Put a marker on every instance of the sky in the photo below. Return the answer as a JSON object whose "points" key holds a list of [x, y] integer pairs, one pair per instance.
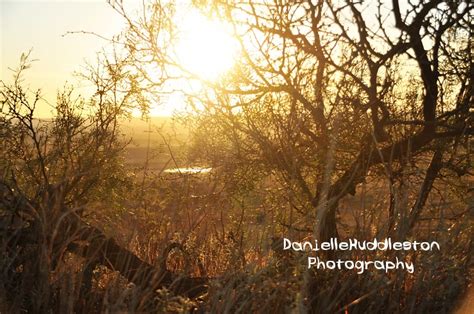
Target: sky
{"points": [[40, 25]]}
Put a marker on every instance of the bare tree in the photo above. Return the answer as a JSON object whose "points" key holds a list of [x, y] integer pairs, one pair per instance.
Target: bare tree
{"points": [[325, 91]]}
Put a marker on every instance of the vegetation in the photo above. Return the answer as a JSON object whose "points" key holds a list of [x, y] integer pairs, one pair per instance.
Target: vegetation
{"points": [[338, 119]]}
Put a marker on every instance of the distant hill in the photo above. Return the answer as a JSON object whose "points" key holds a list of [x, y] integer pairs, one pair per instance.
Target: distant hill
{"points": [[146, 141], [138, 129]]}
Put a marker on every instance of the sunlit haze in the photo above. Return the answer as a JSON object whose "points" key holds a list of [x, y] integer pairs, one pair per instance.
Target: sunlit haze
{"points": [[40, 26], [204, 47]]}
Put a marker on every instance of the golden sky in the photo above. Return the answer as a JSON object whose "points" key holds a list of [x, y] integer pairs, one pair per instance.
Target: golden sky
{"points": [[204, 46], [39, 25]]}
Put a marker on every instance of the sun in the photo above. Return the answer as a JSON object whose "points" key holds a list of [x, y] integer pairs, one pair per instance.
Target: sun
{"points": [[204, 47]]}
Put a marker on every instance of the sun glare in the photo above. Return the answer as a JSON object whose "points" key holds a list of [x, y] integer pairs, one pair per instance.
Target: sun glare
{"points": [[205, 47]]}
